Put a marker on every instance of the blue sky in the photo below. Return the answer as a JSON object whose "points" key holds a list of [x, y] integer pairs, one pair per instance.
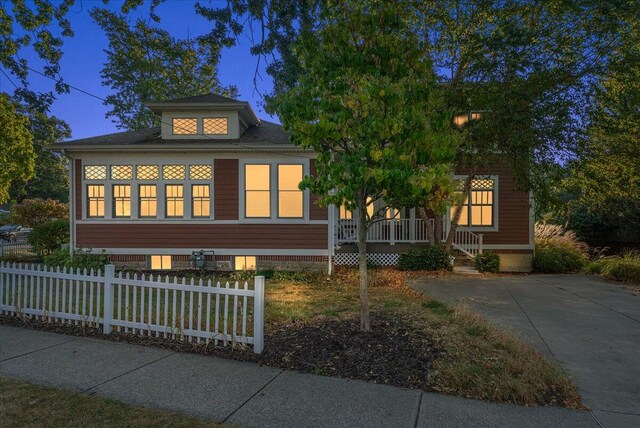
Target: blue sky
{"points": [[84, 57]]}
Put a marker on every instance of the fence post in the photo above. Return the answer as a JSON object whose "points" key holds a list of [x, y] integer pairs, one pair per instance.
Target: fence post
{"points": [[109, 274], [258, 315]]}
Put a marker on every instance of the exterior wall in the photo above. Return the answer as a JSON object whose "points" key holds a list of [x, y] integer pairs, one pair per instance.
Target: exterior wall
{"points": [[225, 192]]}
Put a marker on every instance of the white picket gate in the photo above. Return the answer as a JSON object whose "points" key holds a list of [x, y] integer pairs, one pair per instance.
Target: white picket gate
{"points": [[137, 304]]}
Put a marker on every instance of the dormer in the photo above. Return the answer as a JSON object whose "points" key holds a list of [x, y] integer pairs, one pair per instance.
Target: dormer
{"points": [[204, 116]]}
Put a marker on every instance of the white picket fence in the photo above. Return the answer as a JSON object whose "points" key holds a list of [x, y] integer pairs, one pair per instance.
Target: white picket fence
{"points": [[137, 304]]}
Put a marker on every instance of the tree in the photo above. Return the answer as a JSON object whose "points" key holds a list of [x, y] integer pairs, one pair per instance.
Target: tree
{"points": [[33, 212], [16, 146], [362, 104], [146, 63]]}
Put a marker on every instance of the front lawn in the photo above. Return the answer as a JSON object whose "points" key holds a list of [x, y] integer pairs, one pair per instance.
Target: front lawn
{"points": [[23, 404], [312, 325]]}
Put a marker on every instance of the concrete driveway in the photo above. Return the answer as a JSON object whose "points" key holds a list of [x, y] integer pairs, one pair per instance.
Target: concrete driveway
{"points": [[589, 326]]}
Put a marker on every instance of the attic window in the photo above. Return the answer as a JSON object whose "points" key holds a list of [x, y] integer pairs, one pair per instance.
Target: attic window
{"points": [[215, 125], [185, 126]]}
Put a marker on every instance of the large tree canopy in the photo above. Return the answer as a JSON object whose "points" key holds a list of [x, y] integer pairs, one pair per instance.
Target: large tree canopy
{"points": [[364, 102], [16, 146], [145, 63]]}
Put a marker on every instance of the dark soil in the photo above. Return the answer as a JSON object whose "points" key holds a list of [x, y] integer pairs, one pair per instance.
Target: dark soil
{"points": [[394, 351]]}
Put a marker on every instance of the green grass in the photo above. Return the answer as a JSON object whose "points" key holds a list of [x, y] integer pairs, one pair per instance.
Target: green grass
{"points": [[23, 404]]}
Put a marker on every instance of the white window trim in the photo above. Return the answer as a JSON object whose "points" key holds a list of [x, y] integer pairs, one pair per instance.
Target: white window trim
{"points": [[160, 193], [273, 191], [496, 204]]}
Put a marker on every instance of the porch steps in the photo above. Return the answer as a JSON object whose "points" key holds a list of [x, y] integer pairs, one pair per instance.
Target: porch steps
{"points": [[465, 270]]}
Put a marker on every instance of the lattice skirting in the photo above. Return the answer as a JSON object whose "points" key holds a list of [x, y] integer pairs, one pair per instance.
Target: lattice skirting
{"points": [[381, 259]]}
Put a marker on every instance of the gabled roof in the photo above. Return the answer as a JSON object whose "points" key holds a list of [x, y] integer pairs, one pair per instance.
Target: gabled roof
{"points": [[265, 136]]}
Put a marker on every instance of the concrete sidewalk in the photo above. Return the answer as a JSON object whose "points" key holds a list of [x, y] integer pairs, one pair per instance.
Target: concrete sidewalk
{"points": [[246, 394]]}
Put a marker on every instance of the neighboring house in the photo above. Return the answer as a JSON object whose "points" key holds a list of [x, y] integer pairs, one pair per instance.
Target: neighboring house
{"points": [[214, 177]]}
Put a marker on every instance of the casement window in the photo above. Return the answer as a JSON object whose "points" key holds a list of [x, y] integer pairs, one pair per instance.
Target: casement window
{"points": [[95, 200], [174, 200], [215, 125], [184, 126], [257, 191], [244, 263], [290, 197], [148, 200], [160, 262], [200, 200], [478, 209], [121, 200]]}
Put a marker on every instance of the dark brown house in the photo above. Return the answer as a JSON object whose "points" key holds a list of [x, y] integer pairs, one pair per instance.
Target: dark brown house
{"points": [[214, 177]]}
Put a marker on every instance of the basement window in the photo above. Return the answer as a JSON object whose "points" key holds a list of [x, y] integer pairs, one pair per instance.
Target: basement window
{"points": [[245, 263], [160, 262]]}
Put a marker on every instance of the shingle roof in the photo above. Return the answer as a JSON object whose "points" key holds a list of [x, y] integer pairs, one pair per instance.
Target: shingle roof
{"points": [[265, 134], [206, 98]]}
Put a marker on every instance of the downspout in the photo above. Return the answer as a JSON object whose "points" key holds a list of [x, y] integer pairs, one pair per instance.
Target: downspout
{"points": [[72, 204]]}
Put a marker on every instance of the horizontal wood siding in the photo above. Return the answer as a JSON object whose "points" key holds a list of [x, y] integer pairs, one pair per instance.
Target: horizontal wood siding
{"points": [[316, 212], [196, 236], [78, 189], [225, 194], [513, 209]]}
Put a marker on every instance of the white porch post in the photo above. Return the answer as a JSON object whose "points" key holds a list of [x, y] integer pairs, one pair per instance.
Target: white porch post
{"points": [[331, 237], [412, 225]]}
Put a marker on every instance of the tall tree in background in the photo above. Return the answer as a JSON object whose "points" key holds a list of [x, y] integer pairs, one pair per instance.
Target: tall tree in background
{"points": [[362, 104], [145, 63], [16, 146], [606, 178]]}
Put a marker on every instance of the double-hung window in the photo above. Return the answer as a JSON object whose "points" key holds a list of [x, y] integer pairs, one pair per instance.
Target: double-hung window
{"points": [[290, 197], [200, 200], [148, 200], [121, 200], [478, 209], [95, 200], [174, 200], [257, 191]]}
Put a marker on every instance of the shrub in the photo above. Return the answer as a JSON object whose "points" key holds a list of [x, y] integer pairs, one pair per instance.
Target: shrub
{"points": [[558, 250], [488, 262], [47, 237], [431, 258], [625, 267], [33, 212], [80, 259]]}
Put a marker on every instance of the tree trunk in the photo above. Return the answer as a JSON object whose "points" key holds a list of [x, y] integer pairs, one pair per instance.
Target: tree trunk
{"points": [[362, 259], [431, 237], [439, 224], [456, 216]]}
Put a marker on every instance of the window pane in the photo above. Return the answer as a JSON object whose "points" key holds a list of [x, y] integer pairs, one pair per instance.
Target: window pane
{"points": [[215, 125], [256, 177], [257, 204], [290, 204], [476, 215], [345, 213], [185, 126], [121, 172], [289, 177], [122, 200], [173, 172], [487, 215], [174, 201], [95, 172], [201, 201], [147, 172]]}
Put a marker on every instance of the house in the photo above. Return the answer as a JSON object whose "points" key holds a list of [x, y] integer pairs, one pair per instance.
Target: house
{"points": [[214, 177]]}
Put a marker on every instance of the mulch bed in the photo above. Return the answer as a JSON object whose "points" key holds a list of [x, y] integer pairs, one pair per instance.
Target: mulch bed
{"points": [[394, 352]]}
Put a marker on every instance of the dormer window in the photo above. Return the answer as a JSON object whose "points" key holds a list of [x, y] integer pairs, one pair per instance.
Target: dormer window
{"points": [[215, 125], [185, 126]]}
